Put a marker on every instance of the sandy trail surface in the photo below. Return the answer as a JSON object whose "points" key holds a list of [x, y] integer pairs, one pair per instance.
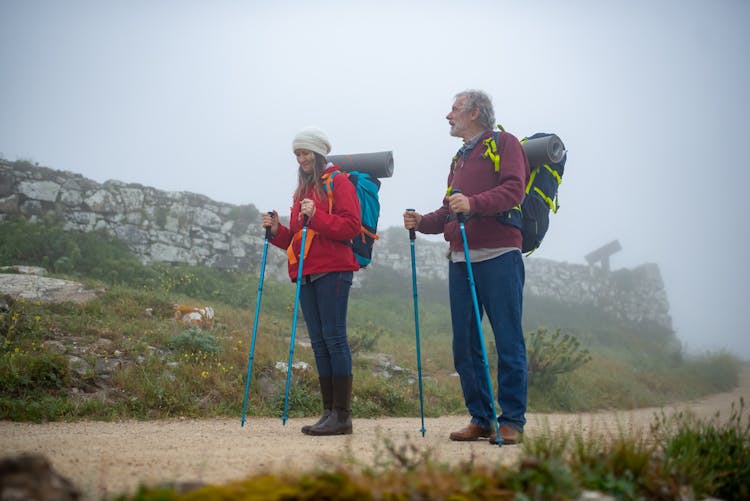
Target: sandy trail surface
{"points": [[109, 458]]}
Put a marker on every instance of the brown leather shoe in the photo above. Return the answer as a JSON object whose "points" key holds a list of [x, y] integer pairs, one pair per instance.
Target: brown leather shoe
{"points": [[470, 433], [510, 436]]}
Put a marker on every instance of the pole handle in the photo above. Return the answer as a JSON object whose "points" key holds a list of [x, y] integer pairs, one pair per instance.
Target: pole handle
{"points": [[268, 228], [412, 233], [459, 215]]}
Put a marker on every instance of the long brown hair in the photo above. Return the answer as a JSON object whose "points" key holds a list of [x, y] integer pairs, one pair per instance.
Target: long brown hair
{"points": [[305, 180]]}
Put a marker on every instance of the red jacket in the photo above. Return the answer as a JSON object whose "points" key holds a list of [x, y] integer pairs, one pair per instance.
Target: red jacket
{"points": [[329, 248], [489, 193]]}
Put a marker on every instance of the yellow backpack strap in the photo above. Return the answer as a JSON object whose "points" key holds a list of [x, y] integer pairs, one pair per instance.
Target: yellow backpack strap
{"points": [[491, 151], [491, 148], [532, 176], [554, 174], [454, 162], [553, 204]]}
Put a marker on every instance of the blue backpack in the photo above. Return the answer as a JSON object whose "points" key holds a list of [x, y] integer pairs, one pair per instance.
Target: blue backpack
{"points": [[532, 215], [367, 188]]}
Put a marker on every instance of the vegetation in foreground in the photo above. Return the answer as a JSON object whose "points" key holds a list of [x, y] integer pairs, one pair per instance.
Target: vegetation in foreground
{"points": [[123, 355], [686, 458]]}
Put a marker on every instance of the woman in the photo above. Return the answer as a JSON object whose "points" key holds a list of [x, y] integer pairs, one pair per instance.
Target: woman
{"points": [[328, 267]]}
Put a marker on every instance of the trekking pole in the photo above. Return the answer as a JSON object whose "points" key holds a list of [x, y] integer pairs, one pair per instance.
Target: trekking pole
{"points": [[412, 237], [255, 321], [472, 286], [294, 321]]}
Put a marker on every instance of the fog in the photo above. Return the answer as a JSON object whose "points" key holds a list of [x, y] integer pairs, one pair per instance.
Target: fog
{"points": [[650, 98]]}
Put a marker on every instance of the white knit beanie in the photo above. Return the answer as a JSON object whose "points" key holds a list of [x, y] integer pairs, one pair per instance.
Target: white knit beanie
{"points": [[312, 139]]}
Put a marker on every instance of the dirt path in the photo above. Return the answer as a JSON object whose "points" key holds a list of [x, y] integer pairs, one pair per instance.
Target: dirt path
{"points": [[113, 458]]}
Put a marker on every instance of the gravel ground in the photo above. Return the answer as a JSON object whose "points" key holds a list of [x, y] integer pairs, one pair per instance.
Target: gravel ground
{"points": [[108, 458]]}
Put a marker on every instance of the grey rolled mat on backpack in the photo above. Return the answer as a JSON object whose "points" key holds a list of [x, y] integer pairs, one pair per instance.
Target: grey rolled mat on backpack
{"points": [[378, 164], [544, 150]]}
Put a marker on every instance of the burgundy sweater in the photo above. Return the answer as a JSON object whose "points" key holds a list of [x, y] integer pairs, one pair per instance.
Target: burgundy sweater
{"points": [[489, 193]]}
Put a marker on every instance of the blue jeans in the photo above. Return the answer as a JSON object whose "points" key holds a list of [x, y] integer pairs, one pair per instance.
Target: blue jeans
{"points": [[499, 285], [324, 303]]}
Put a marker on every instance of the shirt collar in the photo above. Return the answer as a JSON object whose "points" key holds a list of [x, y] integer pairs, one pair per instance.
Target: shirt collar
{"points": [[469, 145]]}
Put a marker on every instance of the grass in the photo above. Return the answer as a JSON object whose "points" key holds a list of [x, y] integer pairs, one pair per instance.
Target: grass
{"points": [[161, 369]]}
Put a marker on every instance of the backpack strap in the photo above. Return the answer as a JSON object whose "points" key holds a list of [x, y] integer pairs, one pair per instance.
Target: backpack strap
{"points": [[328, 187], [296, 238], [553, 204], [491, 147], [491, 152]]}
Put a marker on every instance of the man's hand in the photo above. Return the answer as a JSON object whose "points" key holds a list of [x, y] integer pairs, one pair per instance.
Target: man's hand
{"points": [[412, 219], [458, 203]]}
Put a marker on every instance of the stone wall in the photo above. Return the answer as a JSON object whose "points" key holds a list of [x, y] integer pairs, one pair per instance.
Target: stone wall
{"points": [[189, 228], [632, 294]]}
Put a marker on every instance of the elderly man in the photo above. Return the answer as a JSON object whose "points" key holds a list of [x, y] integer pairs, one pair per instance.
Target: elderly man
{"points": [[484, 190]]}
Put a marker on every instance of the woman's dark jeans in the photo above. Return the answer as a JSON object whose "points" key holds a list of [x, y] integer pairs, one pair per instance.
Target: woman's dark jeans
{"points": [[324, 304]]}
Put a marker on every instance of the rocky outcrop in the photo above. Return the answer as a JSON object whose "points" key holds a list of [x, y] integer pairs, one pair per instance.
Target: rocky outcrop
{"points": [[190, 228], [28, 283], [159, 226]]}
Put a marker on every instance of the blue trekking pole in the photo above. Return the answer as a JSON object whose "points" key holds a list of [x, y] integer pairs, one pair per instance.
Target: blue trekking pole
{"points": [[255, 322], [412, 237], [294, 321], [472, 286]]}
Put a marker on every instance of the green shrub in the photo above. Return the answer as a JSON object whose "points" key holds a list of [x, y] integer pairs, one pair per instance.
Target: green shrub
{"points": [[22, 372], [550, 355], [36, 407], [363, 339], [19, 324], [194, 341]]}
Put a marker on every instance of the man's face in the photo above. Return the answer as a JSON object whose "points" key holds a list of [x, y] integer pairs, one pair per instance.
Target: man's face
{"points": [[460, 120]]}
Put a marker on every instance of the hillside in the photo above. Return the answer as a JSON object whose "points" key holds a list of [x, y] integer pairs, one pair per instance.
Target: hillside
{"points": [[188, 228]]}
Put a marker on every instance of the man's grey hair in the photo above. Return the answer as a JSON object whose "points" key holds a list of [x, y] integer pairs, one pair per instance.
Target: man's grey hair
{"points": [[480, 100]]}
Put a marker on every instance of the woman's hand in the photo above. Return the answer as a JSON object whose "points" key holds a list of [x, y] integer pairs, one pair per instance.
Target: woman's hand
{"points": [[307, 208], [271, 220]]}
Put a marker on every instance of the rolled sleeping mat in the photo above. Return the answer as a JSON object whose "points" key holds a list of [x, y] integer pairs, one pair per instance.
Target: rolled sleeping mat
{"points": [[378, 164], [544, 150]]}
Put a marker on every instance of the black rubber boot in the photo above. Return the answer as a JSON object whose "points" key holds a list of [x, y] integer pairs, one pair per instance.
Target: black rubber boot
{"points": [[326, 392], [339, 422]]}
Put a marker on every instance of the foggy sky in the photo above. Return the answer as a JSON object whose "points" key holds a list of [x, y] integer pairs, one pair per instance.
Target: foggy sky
{"points": [[650, 99]]}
